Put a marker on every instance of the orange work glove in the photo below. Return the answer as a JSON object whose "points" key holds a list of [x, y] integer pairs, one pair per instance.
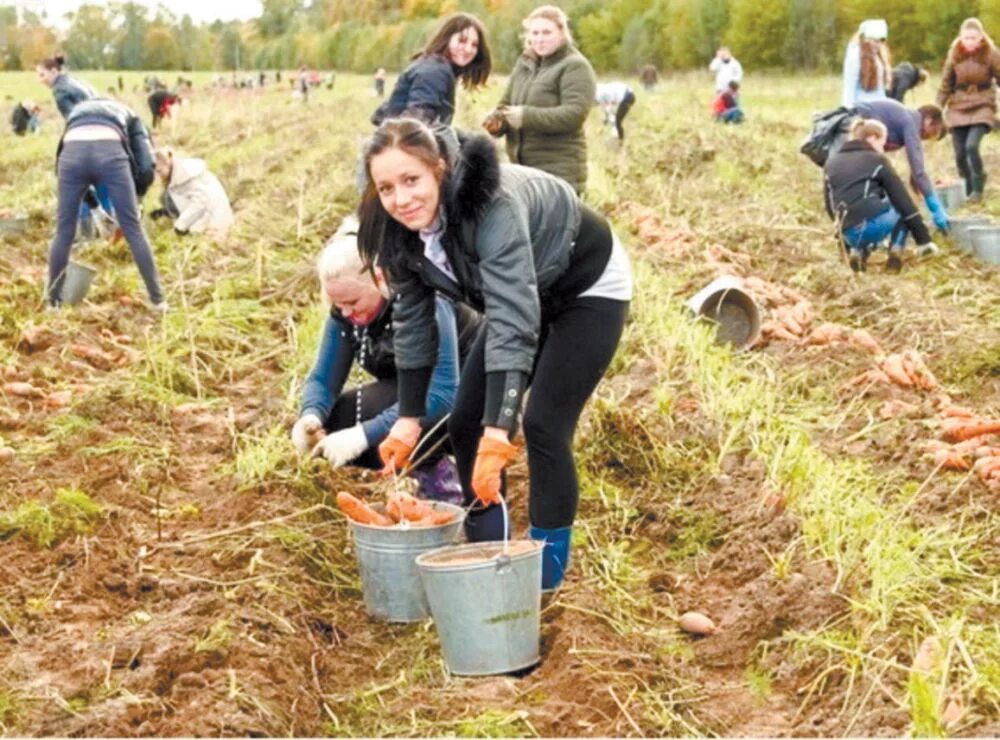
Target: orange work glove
{"points": [[395, 453], [492, 456]]}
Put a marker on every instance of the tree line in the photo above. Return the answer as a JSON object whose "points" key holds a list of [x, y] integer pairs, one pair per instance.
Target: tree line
{"points": [[362, 35]]}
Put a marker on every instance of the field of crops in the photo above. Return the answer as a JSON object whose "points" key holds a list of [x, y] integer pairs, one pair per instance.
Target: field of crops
{"points": [[168, 567]]}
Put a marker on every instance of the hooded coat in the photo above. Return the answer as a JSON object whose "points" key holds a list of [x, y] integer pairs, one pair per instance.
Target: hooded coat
{"points": [[968, 93], [556, 94], [199, 197]]}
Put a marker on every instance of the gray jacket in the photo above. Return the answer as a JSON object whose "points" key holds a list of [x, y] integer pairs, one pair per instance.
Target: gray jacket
{"points": [[68, 91], [509, 233]]}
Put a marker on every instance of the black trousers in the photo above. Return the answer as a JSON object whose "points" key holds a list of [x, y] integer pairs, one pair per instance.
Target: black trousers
{"points": [[623, 108], [574, 351], [966, 140]]}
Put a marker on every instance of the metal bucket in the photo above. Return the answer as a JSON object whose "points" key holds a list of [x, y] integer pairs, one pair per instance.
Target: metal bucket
{"points": [[986, 243], [76, 282], [389, 577], [952, 196], [726, 302], [16, 224], [486, 604], [960, 226]]}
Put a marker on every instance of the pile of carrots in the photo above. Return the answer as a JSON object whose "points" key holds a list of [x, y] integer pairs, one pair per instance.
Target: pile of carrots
{"points": [[906, 369], [967, 443], [400, 508]]}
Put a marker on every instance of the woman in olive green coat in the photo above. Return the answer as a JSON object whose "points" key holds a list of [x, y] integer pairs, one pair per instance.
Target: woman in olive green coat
{"points": [[550, 93]]}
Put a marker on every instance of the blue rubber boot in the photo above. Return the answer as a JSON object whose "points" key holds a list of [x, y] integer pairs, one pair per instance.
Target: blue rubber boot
{"points": [[555, 556], [484, 525]]}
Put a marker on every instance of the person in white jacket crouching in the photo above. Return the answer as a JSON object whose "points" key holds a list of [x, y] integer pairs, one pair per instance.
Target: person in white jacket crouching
{"points": [[192, 196]]}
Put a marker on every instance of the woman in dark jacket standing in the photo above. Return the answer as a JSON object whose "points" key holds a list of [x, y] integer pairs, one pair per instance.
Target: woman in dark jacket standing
{"points": [[869, 201], [555, 287], [66, 91], [548, 97], [426, 89], [105, 144], [968, 96]]}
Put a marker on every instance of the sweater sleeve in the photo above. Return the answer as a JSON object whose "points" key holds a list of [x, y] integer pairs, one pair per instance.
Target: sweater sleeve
{"points": [[577, 89], [429, 97], [329, 373], [852, 72], [900, 198], [415, 342], [915, 156]]}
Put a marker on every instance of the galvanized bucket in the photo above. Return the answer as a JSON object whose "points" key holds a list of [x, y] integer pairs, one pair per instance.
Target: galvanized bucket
{"points": [[952, 196], [986, 243], [486, 599], [76, 282], [726, 302], [960, 226], [389, 577]]}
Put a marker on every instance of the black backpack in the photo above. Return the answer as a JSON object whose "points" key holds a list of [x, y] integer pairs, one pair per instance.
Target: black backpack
{"points": [[19, 120], [828, 127]]}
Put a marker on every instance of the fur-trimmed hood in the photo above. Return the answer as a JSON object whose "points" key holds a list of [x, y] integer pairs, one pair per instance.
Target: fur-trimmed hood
{"points": [[981, 53], [474, 174]]}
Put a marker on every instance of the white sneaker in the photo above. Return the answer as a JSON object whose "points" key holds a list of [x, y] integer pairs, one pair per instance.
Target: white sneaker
{"points": [[161, 307], [929, 249]]}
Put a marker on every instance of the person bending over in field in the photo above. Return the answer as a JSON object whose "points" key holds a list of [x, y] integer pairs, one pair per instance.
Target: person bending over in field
{"points": [[906, 77], [616, 100], [105, 145], [908, 129], [348, 426], [192, 196], [869, 202], [426, 89], [555, 285], [160, 102], [25, 118]]}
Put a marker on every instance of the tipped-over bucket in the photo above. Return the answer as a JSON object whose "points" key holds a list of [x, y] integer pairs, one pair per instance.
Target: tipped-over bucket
{"points": [[389, 576], [726, 302], [486, 599], [76, 282], [960, 226], [986, 243], [953, 195]]}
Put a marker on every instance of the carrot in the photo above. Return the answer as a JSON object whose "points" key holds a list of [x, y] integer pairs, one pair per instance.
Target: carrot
{"points": [[777, 330], [413, 508], [359, 511], [697, 623], [893, 367], [861, 338], [826, 334], [437, 518], [951, 460], [959, 430], [957, 412], [869, 377], [986, 466], [22, 389]]}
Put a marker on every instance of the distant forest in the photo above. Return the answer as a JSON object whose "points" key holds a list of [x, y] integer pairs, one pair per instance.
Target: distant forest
{"points": [[361, 35]]}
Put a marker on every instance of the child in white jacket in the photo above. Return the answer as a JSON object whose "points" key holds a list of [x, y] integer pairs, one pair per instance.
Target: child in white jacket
{"points": [[192, 195]]}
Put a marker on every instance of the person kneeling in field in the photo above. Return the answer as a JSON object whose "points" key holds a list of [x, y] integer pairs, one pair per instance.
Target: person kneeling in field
{"points": [[726, 107], [869, 201], [348, 426], [192, 196]]}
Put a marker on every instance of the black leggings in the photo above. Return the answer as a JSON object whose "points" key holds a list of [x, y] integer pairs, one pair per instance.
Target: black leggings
{"points": [[575, 349], [966, 140], [623, 108]]}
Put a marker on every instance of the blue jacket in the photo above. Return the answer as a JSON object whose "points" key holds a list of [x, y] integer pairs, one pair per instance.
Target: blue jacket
{"points": [[903, 125], [425, 90], [337, 351], [69, 91]]}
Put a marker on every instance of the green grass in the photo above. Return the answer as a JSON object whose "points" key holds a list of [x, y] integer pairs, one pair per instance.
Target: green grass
{"points": [[71, 512]]}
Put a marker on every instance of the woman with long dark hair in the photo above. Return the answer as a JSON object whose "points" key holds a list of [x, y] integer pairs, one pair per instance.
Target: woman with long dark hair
{"points": [[426, 89], [867, 64], [968, 96], [554, 284]]}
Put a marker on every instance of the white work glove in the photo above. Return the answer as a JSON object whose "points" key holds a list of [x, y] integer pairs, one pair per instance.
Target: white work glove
{"points": [[514, 115], [341, 447], [305, 432]]}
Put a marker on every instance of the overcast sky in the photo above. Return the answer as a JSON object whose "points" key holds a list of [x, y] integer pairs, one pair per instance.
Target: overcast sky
{"points": [[199, 10]]}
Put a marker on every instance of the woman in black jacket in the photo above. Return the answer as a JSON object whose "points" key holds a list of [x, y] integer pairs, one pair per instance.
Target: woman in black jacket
{"points": [[105, 145], [869, 201], [426, 89], [555, 287]]}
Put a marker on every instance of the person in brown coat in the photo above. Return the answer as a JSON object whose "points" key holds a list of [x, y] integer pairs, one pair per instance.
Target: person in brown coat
{"points": [[968, 95]]}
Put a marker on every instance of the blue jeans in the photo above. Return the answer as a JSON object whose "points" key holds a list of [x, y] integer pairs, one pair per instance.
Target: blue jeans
{"points": [[731, 115], [84, 164], [870, 232]]}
